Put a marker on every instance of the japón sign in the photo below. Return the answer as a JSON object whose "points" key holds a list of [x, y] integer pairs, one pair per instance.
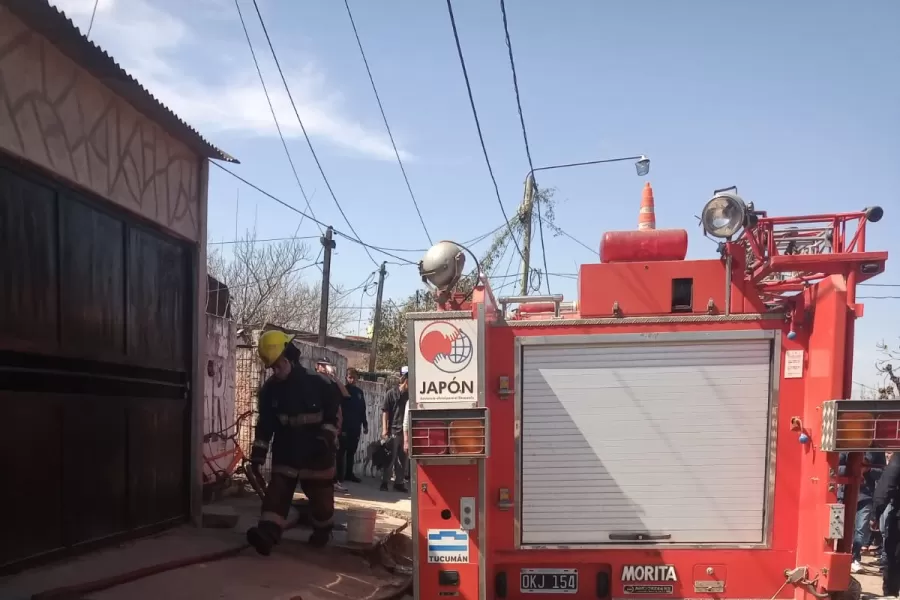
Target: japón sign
{"points": [[446, 361]]}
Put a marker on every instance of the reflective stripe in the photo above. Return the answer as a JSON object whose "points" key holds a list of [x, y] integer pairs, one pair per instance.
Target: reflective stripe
{"points": [[273, 517], [261, 444], [304, 473], [330, 428], [301, 419]]}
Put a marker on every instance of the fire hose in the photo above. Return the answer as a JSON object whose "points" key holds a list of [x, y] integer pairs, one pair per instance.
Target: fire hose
{"points": [[77, 591]]}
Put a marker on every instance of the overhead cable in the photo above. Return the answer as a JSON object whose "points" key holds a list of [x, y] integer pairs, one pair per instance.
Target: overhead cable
{"points": [[272, 110], [386, 125], [348, 237], [515, 78], [487, 160], [305, 134]]}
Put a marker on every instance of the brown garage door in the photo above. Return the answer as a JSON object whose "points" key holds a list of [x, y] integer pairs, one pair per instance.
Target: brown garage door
{"points": [[95, 353]]}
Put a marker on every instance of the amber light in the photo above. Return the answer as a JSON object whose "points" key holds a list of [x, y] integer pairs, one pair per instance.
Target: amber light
{"points": [[855, 430], [429, 438], [467, 436]]}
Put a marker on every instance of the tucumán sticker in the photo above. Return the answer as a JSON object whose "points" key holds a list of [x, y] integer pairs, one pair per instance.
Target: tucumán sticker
{"points": [[448, 546]]}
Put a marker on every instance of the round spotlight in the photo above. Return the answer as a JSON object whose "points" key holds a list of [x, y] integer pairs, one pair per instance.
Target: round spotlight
{"points": [[724, 215], [642, 166], [442, 265], [874, 213]]}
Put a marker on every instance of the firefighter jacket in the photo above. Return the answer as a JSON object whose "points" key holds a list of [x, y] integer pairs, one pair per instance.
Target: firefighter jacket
{"points": [[300, 417]]}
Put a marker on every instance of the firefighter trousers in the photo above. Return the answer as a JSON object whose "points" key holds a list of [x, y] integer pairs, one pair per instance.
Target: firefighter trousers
{"points": [[277, 504]]}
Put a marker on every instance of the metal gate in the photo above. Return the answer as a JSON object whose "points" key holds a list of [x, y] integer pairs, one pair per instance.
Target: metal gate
{"points": [[95, 364]]}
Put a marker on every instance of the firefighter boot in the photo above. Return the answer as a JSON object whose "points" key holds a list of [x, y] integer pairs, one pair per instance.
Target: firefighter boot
{"points": [[263, 537], [320, 537]]}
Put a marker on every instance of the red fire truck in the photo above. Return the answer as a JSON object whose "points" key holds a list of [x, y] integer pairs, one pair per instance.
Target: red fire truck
{"points": [[672, 433]]}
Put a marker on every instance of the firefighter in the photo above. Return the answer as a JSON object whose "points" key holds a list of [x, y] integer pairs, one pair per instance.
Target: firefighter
{"points": [[301, 411]]}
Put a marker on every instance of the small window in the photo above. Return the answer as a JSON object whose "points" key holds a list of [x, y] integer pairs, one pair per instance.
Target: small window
{"points": [[682, 295]]}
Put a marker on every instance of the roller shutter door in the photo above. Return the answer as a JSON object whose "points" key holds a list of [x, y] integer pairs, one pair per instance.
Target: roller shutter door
{"points": [[628, 443]]}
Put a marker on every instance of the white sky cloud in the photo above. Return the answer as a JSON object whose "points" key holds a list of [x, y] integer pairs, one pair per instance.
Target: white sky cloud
{"points": [[145, 40]]}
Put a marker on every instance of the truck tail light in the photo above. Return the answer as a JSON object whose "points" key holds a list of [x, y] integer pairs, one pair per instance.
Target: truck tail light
{"points": [[855, 429], [467, 436], [448, 433], [429, 438], [860, 425]]}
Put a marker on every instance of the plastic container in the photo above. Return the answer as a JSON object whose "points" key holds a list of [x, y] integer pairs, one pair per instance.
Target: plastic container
{"points": [[361, 526]]}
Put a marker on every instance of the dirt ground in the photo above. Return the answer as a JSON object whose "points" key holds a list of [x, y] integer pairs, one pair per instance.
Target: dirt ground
{"points": [[292, 572]]}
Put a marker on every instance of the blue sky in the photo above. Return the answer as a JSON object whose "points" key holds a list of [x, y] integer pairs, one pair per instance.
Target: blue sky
{"points": [[796, 103]]}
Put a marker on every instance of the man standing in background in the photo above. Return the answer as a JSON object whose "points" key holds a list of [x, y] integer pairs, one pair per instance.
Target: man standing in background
{"points": [[392, 413], [355, 422], [325, 367]]}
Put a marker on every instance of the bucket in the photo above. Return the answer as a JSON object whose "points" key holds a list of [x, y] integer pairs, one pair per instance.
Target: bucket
{"points": [[361, 526]]}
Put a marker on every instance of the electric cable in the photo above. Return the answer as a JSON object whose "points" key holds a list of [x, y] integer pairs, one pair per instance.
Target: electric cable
{"points": [[559, 230], [272, 110], [515, 78], [386, 125], [305, 134], [348, 237], [487, 160], [265, 240], [93, 14]]}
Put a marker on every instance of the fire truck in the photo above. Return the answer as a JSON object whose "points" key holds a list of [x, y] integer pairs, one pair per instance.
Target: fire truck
{"points": [[673, 432]]}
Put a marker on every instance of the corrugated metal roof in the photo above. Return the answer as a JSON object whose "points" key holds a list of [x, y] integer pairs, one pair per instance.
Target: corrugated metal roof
{"points": [[53, 24]]}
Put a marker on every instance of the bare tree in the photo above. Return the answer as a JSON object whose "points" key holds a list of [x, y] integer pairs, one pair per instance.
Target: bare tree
{"points": [[276, 283], [887, 367]]}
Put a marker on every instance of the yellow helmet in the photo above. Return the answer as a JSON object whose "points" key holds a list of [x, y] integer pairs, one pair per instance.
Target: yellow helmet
{"points": [[272, 345]]}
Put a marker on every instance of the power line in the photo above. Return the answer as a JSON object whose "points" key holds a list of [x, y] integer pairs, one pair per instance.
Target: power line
{"points": [[487, 160], [890, 285], [355, 240], [93, 14], [272, 110], [266, 240], [512, 66], [386, 126], [305, 134], [878, 297]]}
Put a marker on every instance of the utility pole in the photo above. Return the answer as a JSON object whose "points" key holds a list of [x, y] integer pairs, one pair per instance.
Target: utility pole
{"points": [[525, 217], [376, 324], [328, 244]]}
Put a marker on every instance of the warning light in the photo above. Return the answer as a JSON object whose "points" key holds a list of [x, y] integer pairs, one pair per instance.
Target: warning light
{"points": [[855, 430], [429, 438], [467, 437]]}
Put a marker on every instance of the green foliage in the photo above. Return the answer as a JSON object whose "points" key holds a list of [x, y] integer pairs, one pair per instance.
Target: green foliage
{"points": [[392, 347]]}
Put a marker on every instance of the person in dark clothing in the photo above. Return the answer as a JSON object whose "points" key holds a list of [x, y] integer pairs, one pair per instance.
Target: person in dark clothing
{"points": [[872, 466], [300, 414], [353, 411], [392, 412], [888, 492], [325, 368]]}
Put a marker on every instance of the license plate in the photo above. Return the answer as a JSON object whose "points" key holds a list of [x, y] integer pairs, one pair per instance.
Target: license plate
{"points": [[548, 581]]}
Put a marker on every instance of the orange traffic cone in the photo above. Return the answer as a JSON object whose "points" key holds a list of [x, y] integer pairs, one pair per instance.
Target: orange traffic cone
{"points": [[647, 216]]}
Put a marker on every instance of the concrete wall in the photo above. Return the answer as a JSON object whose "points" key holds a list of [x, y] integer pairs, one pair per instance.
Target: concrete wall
{"points": [[58, 117], [218, 393]]}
